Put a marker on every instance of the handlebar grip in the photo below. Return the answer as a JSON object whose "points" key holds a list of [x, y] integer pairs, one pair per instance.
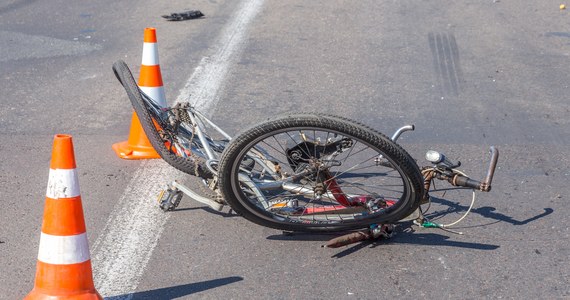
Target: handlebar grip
{"points": [[486, 185], [466, 182]]}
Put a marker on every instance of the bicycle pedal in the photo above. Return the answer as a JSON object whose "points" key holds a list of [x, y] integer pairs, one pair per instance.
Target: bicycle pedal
{"points": [[169, 199]]}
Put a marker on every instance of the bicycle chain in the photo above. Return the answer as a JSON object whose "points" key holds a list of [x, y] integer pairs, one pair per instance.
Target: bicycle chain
{"points": [[212, 191], [180, 111]]}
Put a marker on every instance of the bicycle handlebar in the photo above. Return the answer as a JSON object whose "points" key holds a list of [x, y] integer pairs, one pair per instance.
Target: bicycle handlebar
{"points": [[492, 165], [485, 186]]}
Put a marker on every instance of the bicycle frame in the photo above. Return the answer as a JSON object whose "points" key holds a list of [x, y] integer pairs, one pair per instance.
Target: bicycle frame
{"points": [[198, 138], [197, 119]]}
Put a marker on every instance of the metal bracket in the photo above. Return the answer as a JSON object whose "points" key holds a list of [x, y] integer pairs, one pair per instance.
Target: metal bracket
{"points": [[193, 195]]}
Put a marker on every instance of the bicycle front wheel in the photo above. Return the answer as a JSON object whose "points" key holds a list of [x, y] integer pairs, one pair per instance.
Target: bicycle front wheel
{"points": [[311, 172]]}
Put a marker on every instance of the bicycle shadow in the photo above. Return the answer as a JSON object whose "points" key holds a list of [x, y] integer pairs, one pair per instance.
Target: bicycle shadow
{"points": [[401, 237], [485, 211], [226, 214], [178, 291], [423, 239], [305, 236]]}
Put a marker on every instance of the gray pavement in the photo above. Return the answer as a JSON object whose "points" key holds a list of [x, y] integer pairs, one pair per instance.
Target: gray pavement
{"points": [[468, 74]]}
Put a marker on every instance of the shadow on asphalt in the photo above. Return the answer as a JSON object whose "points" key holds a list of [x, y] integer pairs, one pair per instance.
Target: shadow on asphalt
{"points": [[304, 236], [178, 291], [229, 214], [485, 211], [424, 239], [488, 212], [415, 238]]}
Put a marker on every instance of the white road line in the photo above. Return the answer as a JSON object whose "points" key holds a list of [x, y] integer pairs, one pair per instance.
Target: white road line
{"points": [[125, 246], [208, 77]]}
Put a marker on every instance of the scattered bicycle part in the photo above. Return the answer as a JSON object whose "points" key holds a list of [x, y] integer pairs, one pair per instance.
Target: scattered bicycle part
{"points": [[187, 15], [385, 231]]}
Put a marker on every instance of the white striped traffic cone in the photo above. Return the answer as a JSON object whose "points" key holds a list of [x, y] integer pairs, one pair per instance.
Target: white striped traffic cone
{"points": [[64, 263], [150, 78], [150, 82]]}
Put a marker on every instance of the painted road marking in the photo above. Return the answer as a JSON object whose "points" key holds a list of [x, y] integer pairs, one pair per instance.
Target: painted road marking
{"points": [[125, 246], [209, 76]]}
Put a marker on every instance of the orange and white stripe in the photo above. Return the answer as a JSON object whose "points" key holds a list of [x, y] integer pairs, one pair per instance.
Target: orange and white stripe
{"points": [[150, 78], [64, 262]]}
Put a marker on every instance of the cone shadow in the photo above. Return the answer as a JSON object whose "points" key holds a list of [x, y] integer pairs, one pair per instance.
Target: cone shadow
{"points": [[178, 291]]}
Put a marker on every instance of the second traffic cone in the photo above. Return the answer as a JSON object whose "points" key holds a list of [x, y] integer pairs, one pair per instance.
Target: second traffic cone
{"points": [[64, 263], [150, 82], [137, 146]]}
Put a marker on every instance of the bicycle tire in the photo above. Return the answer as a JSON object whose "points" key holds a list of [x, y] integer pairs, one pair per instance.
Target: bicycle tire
{"points": [[235, 181], [192, 166]]}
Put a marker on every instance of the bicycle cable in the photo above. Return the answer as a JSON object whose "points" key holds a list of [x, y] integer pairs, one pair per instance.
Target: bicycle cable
{"points": [[426, 223]]}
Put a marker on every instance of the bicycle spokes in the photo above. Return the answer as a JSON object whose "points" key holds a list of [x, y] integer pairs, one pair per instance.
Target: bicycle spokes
{"points": [[319, 174]]}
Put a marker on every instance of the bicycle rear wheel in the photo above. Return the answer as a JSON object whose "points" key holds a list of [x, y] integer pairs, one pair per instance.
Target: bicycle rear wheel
{"points": [[311, 172], [149, 121]]}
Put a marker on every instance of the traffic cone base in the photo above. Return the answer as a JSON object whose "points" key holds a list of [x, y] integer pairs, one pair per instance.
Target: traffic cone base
{"points": [[85, 295], [137, 146], [71, 282]]}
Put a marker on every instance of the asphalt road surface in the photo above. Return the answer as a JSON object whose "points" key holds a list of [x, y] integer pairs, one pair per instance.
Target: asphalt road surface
{"points": [[468, 74]]}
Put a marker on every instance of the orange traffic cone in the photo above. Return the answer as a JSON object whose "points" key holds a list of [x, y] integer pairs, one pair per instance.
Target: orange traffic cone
{"points": [[150, 82], [64, 263]]}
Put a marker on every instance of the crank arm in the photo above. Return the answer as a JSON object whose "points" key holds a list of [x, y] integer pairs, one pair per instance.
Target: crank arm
{"points": [[188, 192]]}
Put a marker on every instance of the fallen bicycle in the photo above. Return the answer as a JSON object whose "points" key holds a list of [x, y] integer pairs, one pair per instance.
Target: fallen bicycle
{"points": [[303, 172]]}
